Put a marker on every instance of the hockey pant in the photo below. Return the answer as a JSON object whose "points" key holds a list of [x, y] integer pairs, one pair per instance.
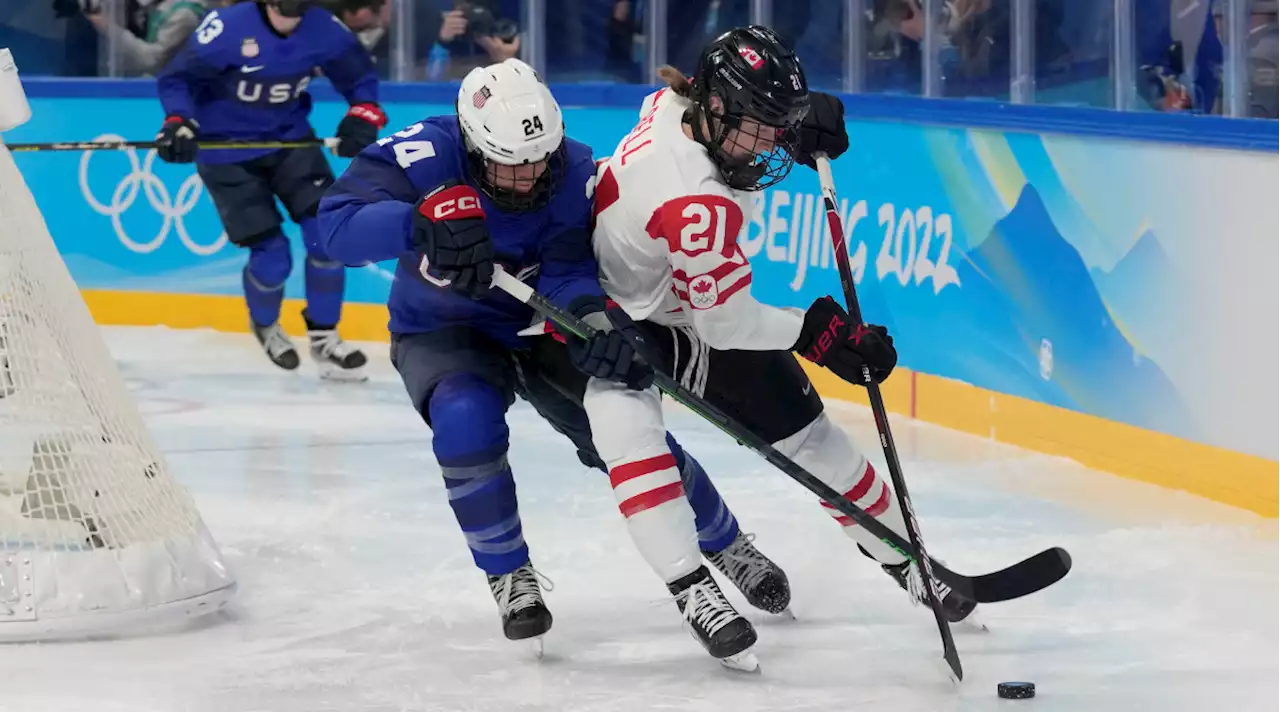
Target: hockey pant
{"points": [[462, 383], [245, 195], [766, 391]]}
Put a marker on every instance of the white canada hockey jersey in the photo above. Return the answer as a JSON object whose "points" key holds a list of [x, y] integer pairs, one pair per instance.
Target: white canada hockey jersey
{"points": [[666, 237]]}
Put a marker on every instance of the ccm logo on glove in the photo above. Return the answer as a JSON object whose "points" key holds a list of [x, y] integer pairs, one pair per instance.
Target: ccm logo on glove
{"points": [[458, 202]]}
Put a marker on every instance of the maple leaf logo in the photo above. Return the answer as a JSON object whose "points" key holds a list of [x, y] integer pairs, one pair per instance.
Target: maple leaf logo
{"points": [[703, 292], [753, 57]]}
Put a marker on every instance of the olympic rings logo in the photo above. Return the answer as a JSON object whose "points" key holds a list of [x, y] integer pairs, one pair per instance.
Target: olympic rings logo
{"points": [[157, 193]]}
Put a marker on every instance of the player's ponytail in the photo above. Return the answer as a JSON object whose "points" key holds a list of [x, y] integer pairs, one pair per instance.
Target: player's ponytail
{"points": [[675, 79]]}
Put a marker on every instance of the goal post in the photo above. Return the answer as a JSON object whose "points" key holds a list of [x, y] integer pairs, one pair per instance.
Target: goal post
{"points": [[96, 536]]}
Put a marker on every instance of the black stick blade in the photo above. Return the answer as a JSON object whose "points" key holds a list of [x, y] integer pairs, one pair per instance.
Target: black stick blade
{"points": [[1021, 579]]}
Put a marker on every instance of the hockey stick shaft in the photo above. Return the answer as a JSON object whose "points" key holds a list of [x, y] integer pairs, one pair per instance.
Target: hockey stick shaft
{"points": [[838, 243], [147, 145], [1020, 579], [523, 292]]}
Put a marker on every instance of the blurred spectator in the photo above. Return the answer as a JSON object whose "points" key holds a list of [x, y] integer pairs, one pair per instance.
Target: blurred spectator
{"points": [[690, 25], [1262, 48], [895, 37], [47, 37], [1169, 33], [472, 34], [979, 34], [154, 30], [820, 44], [449, 38], [1264, 58], [368, 19], [623, 28], [982, 33], [693, 23]]}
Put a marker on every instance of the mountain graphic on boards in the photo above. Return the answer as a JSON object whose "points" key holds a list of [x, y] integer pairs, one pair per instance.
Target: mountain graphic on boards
{"points": [[1052, 296]]}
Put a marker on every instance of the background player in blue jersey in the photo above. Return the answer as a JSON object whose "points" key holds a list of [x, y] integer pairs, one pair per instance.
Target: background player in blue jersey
{"points": [[243, 76], [448, 197]]}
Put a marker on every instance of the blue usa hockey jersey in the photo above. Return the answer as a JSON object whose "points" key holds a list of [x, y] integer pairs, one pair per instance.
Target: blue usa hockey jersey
{"points": [[241, 80], [367, 216]]}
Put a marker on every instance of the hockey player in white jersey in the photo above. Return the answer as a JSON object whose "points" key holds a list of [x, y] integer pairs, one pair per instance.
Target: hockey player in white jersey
{"points": [[671, 203]]}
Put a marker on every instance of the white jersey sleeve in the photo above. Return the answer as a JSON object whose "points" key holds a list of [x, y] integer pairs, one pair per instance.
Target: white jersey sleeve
{"points": [[666, 238]]}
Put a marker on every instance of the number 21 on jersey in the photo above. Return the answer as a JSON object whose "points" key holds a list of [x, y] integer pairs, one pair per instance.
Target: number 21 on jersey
{"points": [[699, 223]]}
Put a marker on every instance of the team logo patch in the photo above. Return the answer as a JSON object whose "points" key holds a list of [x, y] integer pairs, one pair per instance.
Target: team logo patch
{"points": [[753, 57], [703, 292], [249, 47], [479, 98]]}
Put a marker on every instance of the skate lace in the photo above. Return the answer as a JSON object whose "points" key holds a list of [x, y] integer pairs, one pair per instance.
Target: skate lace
{"points": [[742, 562], [275, 341], [520, 588], [328, 343], [705, 607]]}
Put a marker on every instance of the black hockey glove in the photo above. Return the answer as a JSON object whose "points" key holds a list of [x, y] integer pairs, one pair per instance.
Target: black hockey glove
{"points": [[821, 130], [359, 128], [610, 353], [176, 142], [831, 340], [449, 231]]}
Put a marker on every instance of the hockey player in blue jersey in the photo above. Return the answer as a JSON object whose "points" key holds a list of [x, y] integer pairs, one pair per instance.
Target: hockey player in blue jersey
{"points": [[243, 76], [448, 197]]}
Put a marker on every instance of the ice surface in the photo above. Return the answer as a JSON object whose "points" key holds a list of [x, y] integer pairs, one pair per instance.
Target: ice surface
{"points": [[357, 592]]}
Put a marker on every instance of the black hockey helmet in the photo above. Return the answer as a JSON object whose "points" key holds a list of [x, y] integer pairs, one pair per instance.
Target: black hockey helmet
{"points": [[762, 98]]}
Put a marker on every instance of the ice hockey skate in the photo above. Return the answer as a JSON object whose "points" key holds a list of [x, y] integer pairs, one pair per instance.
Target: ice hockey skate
{"points": [[336, 359], [277, 345], [954, 606], [761, 581], [519, 597], [713, 621]]}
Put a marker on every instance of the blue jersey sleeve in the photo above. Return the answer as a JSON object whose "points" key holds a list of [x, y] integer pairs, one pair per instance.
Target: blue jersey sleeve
{"points": [[569, 272], [350, 67], [199, 60], [367, 215]]}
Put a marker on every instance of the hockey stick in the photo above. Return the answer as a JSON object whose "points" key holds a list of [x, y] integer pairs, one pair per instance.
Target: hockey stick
{"points": [[1020, 579], [949, 652], [145, 145]]}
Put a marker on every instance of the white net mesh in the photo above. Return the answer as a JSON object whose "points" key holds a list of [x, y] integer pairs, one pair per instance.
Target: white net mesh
{"points": [[95, 534]]}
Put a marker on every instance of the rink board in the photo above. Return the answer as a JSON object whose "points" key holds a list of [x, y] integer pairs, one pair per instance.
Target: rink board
{"points": [[1107, 300]]}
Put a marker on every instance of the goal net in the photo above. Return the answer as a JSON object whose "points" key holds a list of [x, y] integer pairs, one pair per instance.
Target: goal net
{"points": [[96, 537]]}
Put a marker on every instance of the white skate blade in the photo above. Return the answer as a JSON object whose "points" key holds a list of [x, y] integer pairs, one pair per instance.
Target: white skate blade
{"points": [[334, 372], [786, 614], [745, 661], [537, 646]]}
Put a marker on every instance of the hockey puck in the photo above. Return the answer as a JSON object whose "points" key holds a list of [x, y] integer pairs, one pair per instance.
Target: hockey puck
{"points": [[1016, 690]]}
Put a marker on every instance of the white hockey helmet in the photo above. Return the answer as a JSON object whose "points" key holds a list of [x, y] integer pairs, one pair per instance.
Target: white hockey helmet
{"points": [[514, 134]]}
